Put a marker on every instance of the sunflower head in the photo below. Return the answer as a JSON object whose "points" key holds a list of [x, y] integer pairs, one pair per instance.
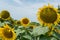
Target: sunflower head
{"points": [[18, 22], [32, 26], [7, 33], [5, 14], [48, 15], [25, 21]]}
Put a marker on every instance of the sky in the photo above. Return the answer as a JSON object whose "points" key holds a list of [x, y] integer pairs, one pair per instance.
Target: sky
{"points": [[25, 8]]}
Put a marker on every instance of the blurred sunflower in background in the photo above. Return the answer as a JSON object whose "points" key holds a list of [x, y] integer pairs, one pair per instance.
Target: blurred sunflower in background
{"points": [[7, 33], [48, 15], [25, 22], [32, 26], [5, 15], [18, 22]]}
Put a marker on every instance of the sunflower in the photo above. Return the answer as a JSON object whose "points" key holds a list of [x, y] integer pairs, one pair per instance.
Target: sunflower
{"points": [[18, 22], [25, 21], [7, 33], [5, 14], [32, 26], [48, 15]]}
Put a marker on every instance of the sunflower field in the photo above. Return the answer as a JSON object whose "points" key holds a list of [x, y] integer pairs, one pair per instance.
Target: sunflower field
{"points": [[48, 27]]}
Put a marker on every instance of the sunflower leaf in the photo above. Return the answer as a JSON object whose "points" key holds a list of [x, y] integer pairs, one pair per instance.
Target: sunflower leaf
{"points": [[53, 38], [19, 31], [1, 24], [27, 37], [57, 35], [39, 31]]}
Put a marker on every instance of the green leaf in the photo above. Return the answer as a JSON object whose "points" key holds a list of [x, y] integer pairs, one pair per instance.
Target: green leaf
{"points": [[20, 26], [27, 37], [45, 37], [7, 22], [57, 35], [53, 38], [19, 31], [1, 24], [48, 38], [40, 30]]}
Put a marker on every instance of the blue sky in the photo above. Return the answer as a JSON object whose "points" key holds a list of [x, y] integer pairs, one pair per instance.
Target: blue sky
{"points": [[25, 8]]}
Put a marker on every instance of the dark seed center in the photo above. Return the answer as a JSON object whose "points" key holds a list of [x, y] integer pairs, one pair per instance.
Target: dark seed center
{"points": [[5, 14], [48, 15], [7, 33], [25, 21]]}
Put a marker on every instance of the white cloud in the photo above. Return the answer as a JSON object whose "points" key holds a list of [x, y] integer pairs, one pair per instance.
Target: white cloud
{"points": [[18, 1]]}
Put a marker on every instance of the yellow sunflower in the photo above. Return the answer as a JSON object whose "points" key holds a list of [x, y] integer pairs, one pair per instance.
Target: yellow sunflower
{"points": [[18, 22], [7, 33], [25, 21], [32, 26], [48, 15], [5, 15]]}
